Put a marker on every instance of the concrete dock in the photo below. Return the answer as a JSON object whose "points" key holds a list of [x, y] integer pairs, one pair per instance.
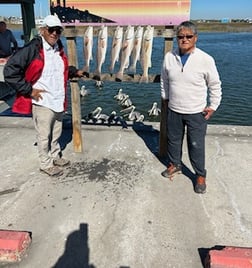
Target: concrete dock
{"points": [[113, 209]]}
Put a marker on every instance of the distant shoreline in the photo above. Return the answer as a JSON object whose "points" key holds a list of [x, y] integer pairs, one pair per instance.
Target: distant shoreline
{"points": [[202, 27]]}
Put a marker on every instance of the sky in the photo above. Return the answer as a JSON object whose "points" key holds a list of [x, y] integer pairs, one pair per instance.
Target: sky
{"points": [[200, 9]]}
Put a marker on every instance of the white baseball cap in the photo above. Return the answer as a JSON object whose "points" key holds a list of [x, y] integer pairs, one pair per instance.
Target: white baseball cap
{"points": [[51, 21]]}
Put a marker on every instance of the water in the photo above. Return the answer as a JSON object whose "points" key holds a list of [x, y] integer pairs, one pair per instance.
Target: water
{"points": [[232, 53]]}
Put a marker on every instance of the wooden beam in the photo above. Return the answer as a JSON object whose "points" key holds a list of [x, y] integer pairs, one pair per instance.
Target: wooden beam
{"points": [[75, 98]]}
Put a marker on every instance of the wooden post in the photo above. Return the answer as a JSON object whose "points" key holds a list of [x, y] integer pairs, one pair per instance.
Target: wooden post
{"points": [[163, 118], [75, 97]]}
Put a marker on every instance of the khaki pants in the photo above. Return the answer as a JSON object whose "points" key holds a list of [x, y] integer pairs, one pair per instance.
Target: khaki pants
{"points": [[48, 126]]}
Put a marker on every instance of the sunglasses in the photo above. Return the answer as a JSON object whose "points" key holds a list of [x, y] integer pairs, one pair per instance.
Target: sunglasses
{"points": [[180, 37], [56, 29]]}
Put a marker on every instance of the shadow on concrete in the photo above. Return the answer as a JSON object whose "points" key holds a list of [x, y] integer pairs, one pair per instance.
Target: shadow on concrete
{"points": [[76, 254], [151, 138], [204, 257], [67, 132]]}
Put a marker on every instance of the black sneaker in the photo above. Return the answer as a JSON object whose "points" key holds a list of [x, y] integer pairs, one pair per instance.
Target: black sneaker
{"points": [[200, 186], [171, 171]]}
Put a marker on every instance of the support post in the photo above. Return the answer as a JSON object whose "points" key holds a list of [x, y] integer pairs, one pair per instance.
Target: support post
{"points": [[75, 97], [163, 119], [28, 19]]}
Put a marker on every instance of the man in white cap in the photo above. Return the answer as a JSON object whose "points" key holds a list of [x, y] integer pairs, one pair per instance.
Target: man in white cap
{"points": [[39, 72]]}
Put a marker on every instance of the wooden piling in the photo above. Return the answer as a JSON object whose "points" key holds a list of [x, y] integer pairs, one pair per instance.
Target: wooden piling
{"points": [[164, 107], [75, 97]]}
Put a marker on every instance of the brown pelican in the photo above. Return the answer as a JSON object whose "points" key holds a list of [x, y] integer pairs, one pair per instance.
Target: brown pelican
{"points": [[92, 117], [154, 111], [131, 113], [126, 101], [120, 95]]}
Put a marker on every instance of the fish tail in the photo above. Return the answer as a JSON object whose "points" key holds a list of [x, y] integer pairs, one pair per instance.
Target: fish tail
{"points": [[119, 76], [144, 79]]}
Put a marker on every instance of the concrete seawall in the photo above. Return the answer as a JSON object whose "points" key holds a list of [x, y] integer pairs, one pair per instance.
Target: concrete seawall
{"points": [[112, 208]]}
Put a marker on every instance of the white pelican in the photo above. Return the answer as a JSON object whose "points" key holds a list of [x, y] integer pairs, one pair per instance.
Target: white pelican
{"points": [[155, 111]]}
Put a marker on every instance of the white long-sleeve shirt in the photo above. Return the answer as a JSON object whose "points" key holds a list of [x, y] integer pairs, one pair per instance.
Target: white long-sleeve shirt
{"points": [[52, 80], [187, 87]]}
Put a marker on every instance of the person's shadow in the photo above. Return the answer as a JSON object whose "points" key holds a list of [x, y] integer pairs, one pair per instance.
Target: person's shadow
{"points": [[67, 132], [150, 137], [76, 254]]}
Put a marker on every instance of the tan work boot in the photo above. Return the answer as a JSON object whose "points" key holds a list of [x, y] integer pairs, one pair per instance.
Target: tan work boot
{"points": [[52, 171]]}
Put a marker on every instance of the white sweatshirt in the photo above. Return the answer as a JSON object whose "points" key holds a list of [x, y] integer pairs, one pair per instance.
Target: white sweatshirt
{"points": [[187, 87]]}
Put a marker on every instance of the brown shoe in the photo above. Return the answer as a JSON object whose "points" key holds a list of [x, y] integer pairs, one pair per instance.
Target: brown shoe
{"points": [[61, 162], [200, 186], [53, 171], [171, 171]]}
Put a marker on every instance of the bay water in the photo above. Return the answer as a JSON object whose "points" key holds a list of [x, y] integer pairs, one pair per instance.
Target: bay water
{"points": [[231, 51]]}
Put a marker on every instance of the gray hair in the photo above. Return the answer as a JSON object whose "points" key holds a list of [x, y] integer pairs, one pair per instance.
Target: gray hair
{"points": [[187, 25]]}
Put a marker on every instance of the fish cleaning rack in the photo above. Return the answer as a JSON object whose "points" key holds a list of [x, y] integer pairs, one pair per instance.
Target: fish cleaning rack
{"points": [[70, 33]]}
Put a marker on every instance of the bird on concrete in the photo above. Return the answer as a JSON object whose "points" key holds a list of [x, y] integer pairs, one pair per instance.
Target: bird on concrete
{"points": [[92, 116], [111, 118]]}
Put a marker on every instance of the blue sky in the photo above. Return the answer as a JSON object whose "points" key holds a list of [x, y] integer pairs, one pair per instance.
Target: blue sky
{"points": [[200, 9]]}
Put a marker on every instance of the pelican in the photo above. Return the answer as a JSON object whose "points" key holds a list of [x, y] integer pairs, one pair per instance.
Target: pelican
{"points": [[155, 111], [120, 95], [101, 118], [111, 117], [83, 91], [140, 118], [132, 115], [93, 115], [99, 83], [126, 101]]}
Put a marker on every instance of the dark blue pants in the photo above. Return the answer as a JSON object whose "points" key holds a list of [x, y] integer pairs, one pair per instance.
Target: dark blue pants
{"points": [[195, 127]]}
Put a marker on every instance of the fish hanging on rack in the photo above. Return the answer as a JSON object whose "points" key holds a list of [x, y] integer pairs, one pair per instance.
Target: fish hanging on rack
{"points": [[87, 49], [135, 56], [146, 52], [126, 50], [116, 47], [102, 42]]}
